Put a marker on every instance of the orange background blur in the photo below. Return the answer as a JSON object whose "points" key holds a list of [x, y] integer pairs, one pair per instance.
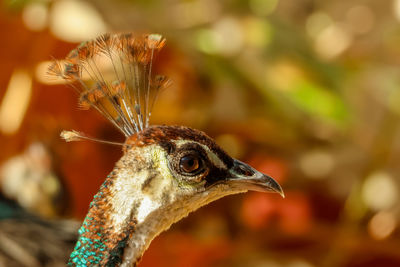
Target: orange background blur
{"points": [[306, 91]]}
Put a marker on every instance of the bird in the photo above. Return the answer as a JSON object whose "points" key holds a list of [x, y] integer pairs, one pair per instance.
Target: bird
{"points": [[27, 239], [31, 195], [165, 171]]}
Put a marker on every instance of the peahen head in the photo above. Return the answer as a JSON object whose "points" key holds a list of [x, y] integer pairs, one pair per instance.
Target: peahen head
{"points": [[181, 169], [166, 171]]}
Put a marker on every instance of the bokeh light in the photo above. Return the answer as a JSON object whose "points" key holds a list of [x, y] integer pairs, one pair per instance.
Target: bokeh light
{"points": [[304, 91], [382, 225], [75, 21], [380, 191], [317, 164], [15, 102], [35, 16]]}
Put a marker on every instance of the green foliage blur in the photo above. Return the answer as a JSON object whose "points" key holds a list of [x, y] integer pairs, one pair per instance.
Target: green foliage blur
{"points": [[307, 91]]}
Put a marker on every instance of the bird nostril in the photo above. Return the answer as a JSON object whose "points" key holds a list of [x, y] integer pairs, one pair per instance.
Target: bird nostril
{"points": [[243, 170]]}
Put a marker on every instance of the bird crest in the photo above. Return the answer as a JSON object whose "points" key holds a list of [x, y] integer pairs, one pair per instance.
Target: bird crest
{"points": [[113, 74]]}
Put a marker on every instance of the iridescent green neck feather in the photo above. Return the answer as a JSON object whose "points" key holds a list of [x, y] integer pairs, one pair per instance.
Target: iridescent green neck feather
{"points": [[98, 243], [113, 214]]}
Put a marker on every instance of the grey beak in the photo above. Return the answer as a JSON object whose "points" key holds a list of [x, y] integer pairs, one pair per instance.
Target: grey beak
{"points": [[245, 176]]}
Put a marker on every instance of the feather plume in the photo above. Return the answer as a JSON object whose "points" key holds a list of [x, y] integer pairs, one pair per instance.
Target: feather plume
{"points": [[113, 74]]}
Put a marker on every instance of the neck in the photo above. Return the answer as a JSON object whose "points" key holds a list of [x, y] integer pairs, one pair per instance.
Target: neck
{"points": [[101, 241], [112, 217], [118, 227], [137, 201], [158, 220]]}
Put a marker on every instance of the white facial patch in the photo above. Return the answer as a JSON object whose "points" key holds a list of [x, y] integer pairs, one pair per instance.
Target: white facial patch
{"points": [[139, 194], [147, 206], [125, 196]]}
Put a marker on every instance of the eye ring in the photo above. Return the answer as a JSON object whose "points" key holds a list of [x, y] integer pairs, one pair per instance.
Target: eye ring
{"points": [[191, 164]]}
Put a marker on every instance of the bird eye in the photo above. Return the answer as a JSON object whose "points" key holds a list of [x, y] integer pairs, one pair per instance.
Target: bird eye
{"points": [[190, 164]]}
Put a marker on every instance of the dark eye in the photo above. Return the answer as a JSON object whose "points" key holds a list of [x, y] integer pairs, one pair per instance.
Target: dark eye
{"points": [[190, 164]]}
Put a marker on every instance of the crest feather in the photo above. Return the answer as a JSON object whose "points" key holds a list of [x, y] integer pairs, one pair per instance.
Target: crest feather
{"points": [[113, 74]]}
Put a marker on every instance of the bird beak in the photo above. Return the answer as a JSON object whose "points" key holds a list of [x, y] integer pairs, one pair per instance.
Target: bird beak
{"points": [[246, 177]]}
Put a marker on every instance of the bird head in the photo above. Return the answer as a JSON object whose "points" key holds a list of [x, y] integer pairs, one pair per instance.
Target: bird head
{"points": [[166, 172], [181, 169]]}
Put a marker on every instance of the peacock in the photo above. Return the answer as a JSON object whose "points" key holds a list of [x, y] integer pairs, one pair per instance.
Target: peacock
{"points": [[165, 172]]}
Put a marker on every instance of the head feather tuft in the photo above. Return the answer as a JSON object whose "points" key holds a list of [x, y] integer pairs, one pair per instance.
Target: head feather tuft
{"points": [[113, 74]]}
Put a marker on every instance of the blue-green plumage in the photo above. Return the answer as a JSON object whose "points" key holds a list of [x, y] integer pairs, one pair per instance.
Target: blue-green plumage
{"points": [[98, 244]]}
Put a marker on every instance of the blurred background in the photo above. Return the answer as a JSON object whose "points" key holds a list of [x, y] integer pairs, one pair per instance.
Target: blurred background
{"points": [[307, 91]]}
